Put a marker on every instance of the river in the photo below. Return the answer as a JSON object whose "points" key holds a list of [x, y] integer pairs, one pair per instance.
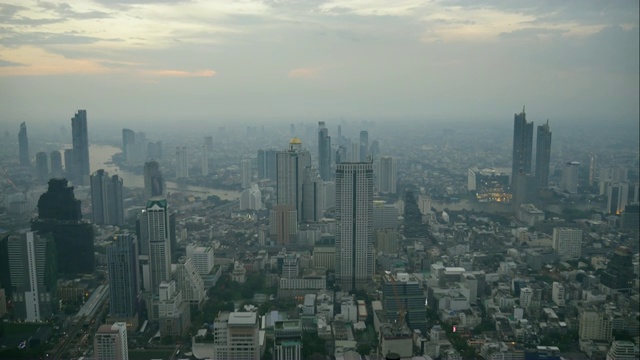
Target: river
{"points": [[495, 207], [100, 158]]}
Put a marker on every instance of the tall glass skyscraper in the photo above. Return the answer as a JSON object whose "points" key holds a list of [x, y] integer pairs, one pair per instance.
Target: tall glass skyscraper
{"points": [[157, 222], [543, 155], [80, 141], [290, 165], [354, 210], [324, 152], [522, 146], [23, 146], [106, 199], [122, 266]]}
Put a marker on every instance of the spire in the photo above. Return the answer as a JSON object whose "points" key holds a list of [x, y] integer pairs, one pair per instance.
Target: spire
{"points": [[523, 109]]}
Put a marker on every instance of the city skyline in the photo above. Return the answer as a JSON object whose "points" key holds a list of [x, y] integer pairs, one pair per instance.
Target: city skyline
{"points": [[322, 60]]}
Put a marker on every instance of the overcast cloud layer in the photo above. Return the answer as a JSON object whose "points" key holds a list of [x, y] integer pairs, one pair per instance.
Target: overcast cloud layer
{"points": [[306, 59]]}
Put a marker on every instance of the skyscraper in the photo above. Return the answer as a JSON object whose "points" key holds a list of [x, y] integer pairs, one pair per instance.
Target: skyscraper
{"points": [[80, 141], [33, 270], [208, 144], [290, 165], [204, 161], [59, 214], [110, 342], [122, 266], [42, 166], [364, 145], [569, 181], [68, 163], [106, 199], [354, 240], [128, 143], [388, 174], [567, 242], [324, 152], [312, 196], [619, 273], [153, 180], [522, 145], [267, 164], [159, 243], [543, 155], [617, 198], [23, 146], [56, 163], [182, 163], [236, 336], [189, 282], [245, 173]]}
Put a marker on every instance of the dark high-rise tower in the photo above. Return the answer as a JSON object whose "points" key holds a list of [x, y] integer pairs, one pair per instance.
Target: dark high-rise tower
{"points": [[106, 199], [619, 273], [42, 166], [68, 163], [80, 141], [324, 152], [122, 265], [267, 164], [153, 180], [364, 145], [128, 143], [291, 165], [23, 146], [522, 146], [543, 155], [59, 214], [56, 163]]}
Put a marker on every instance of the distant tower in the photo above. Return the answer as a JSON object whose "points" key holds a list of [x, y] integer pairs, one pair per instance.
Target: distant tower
{"points": [[354, 240], [364, 145], [324, 152], [80, 140], [592, 168], [204, 165], [159, 242], [569, 181], [354, 155], [245, 173], [208, 144], [267, 164], [290, 165], [128, 144], [68, 163], [312, 196], [543, 155], [341, 155], [110, 342], [182, 164], [522, 145], [617, 197], [23, 146], [122, 267], [153, 180], [388, 174], [42, 166], [56, 164], [107, 199], [34, 275]]}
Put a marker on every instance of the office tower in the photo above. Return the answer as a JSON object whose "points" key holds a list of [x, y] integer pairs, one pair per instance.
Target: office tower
{"points": [[153, 180], [404, 292], [324, 152], [354, 240], [42, 166], [524, 190], [173, 239], [522, 145], [283, 224], [592, 169], [567, 242], [128, 144], [110, 342], [267, 164], [56, 164], [124, 280], [59, 214], [617, 196], [33, 270], [245, 173], [623, 350], [557, 293], [329, 200], [202, 257], [80, 141], [204, 161], [68, 163], [290, 165], [630, 219], [312, 196], [23, 146], [106, 199], [388, 174], [374, 150], [208, 144], [619, 273], [189, 282], [287, 336], [236, 336], [157, 223], [354, 155], [595, 325], [364, 146], [341, 155], [173, 311], [182, 164], [251, 198], [569, 180], [543, 155], [154, 150]]}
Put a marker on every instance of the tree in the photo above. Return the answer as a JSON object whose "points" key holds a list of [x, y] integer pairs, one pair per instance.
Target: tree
{"points": [[364, 349]]}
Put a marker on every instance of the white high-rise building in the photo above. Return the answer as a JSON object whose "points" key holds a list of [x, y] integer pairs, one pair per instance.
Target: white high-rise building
{"points": [[623, 350], [526, 297], [235, 336], [202, 258], [388, 174], [557, 293], [182, 162], [567, 242], [204, 163], [110, 342], [290, 165], [245, 175], [251, 198], [157, 219], [569, 180], [354, 240], [424, 204], [189, 282], [595, 325]]}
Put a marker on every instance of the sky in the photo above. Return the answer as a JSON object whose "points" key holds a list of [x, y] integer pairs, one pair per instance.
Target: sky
{"points": [[175, 61]]}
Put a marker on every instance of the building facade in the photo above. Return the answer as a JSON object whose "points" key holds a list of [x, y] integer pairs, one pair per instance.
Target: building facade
{"points": [[80, 141]]}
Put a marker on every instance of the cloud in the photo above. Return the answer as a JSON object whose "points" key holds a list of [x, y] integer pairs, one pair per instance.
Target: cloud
{"points": [[179, 73], [9, 63], [536, 33], [38, 61], [304, 72]]}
